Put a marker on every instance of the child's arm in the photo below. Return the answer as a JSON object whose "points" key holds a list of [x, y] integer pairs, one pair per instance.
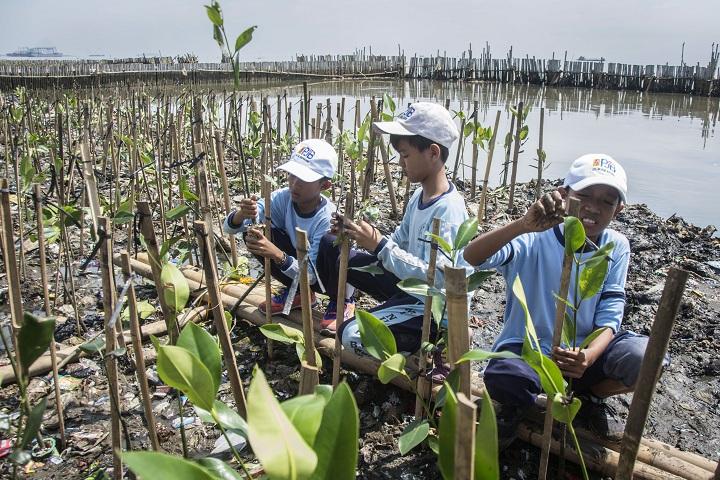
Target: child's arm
{"points": [[545, 213], [249, 209]]}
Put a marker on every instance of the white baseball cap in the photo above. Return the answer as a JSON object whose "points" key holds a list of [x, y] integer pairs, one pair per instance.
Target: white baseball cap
{"points": [[426, 119], [312, 160], [597, 169]]}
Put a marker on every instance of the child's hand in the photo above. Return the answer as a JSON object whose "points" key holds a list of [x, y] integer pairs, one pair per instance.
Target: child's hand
{"points": [[248, 208], [572, 362], [337, 223], [364, 234], [258, 244], [547, 212]]}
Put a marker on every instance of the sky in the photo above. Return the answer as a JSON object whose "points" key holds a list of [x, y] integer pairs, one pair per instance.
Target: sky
{"points": [[629, 31]]}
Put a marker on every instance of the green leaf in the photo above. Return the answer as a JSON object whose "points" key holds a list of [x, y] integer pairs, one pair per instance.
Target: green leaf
{"points": [[477, 278], [600, 255], [574, 235], [33, 423], [568, 330], [244, 38], [373, 269], [376, 337], [437, 308], [213, 13], [175, 287], [479, 355], [325, 391], [187, 194], [228, 418], [220, 469], [305, 412], [562, 411], [551, 378], [200, 343], [442, 243], [336, 442], [282, 333], [274, 440], [524, 132], [468, 130], [592, 278], [446, 458], [95, 345], [161, 466], [144, 310], [33, 339], [486, 442], [387, 100], [415, 286], [177, 212], [453, 381], [181, 369], [413, 435], [593, 335], [391, 368]]}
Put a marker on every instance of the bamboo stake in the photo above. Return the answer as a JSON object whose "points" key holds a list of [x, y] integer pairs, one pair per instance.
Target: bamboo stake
{"points": [[573, 207], [226, 193], [457, 312], [202, 232], [11, 268], [423, 385], [342, 285], [508, 148], [309, 374], [369, 177], [139, 355], [148, 231], [650, 370], [540, 153], [473, 173], [90, 182], [268, 263], [465, 437], [483, 195], [46, 302], [108, 283], [516, 153], [388, 176]]}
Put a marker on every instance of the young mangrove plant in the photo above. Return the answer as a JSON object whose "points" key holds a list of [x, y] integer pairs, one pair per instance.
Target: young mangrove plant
{"points": [[214, 13]]}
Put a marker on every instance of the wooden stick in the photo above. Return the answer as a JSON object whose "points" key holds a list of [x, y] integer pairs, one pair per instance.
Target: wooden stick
{"points": [[108, 283], [473, 173], [268, 263], [388, 176], [11, 269], [516, 153], [148, 231], [308, 376], [369, 176], [139, 355], [465, 437], [90, 182], [540, 153], [573, 207], [650, 370], [219, 152], [423, 385], [457, 312], [46, 302], [202, 231], [483, 195]]}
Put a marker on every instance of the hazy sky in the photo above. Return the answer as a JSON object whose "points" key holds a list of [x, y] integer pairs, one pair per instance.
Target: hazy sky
{"points": [[632, 31]]}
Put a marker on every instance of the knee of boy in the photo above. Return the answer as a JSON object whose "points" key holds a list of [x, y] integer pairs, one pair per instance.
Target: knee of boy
{"points": [[327, 241], [627, 362]]}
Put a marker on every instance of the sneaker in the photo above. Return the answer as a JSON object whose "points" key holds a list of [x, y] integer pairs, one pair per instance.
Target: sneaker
{"points": [[277, 302], [601, 419], [328, 324], [508, 419]]}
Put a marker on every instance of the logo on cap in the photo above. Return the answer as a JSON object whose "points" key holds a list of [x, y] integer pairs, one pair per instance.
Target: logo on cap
{"points": [[306, 153], [603, 166], [407, 113]]}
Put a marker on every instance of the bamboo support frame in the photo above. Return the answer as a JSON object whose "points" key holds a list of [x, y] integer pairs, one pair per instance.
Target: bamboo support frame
{"points": [[457, 313], [309, 377]]}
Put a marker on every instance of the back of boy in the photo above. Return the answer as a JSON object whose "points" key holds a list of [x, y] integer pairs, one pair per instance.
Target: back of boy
{"points": [[532, 248], [310, 168], [422, 136]]}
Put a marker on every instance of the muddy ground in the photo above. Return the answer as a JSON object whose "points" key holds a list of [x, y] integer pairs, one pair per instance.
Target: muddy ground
{"points": [[684, 412]]}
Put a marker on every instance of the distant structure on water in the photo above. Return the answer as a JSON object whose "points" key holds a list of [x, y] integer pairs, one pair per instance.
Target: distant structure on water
{"points": [[35, 52]]}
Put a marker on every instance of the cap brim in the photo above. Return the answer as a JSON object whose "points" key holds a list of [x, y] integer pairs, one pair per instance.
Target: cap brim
{"points": [[300, 171], [587, 182], [392, 128]]}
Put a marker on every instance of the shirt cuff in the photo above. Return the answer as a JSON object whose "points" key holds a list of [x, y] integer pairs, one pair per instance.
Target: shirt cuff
{"points": [[230, 222], [380, 246]]}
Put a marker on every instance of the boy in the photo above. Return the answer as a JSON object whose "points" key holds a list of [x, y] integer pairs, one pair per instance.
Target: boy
{"points": [[533, 248], [422, 135], [310, 168]]}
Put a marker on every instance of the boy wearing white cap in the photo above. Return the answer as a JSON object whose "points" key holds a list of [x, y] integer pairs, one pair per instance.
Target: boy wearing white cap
{"points": [[532, 248], [310, 168], [422, 135]]}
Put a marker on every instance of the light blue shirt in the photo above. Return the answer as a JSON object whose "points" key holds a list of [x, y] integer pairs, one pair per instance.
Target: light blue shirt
{"points": [[537, 258], [285, 216]]}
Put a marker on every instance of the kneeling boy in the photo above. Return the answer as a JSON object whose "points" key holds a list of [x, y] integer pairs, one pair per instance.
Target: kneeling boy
{"points": [[533, 248], [310, 169]]}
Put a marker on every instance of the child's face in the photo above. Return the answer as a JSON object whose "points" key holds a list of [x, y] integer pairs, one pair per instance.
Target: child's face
{"points": [[416, 163], [305, 192], [599, 204]]}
